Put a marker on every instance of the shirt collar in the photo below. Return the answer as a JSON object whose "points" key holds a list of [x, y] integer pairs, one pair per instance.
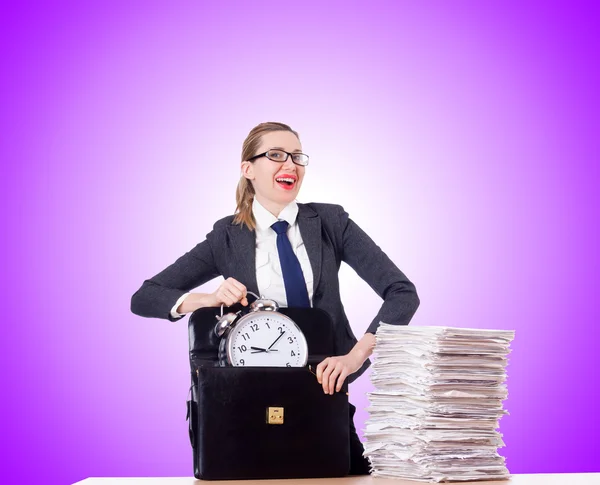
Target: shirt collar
{"points": [[264, 219]]}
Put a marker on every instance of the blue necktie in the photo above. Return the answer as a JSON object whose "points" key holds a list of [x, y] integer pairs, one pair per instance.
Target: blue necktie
{"points": [[295, 285]]}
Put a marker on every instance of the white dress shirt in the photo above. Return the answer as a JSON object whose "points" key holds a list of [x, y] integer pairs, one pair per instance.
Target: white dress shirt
{"points": [[268, 268]]}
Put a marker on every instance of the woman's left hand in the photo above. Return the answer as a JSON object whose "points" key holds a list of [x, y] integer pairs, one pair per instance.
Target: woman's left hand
{"points": [[337, 368]]}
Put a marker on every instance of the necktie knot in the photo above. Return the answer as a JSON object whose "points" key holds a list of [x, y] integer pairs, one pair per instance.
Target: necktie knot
{"points": [[280, 227]]}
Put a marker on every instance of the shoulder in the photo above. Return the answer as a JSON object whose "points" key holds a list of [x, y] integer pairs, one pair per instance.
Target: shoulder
{"points": [[218, 233], [223, 223], [334, 218], [326, 211]]}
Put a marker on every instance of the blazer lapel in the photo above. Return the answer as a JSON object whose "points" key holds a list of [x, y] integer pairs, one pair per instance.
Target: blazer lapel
{"points": [[243, 242], [309, 223]]}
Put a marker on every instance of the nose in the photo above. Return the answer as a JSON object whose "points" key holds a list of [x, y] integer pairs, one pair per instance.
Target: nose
{"points": [[289, 164]]}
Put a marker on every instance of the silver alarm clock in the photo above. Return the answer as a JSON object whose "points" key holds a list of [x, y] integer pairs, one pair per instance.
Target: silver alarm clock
{"points": [[263, 337]]}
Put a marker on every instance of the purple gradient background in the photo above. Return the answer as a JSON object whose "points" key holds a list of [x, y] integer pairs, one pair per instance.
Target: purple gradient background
{"points": [[473, 126]]}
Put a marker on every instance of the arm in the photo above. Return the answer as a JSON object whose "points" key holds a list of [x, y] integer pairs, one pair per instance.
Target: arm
{"points": [[399, 295], [379, 271], [180, 313], [157, 295], [189, 302]]}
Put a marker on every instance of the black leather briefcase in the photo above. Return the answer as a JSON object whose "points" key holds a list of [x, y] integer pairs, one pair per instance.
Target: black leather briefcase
{"points": [[265, 422], [275, 422]]}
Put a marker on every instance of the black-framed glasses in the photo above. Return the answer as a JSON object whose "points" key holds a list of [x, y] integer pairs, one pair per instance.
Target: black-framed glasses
{"points": [[281, 156]]}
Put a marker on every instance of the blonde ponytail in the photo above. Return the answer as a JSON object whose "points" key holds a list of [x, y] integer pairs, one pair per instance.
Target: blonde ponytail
{"points": [[244, 196]]}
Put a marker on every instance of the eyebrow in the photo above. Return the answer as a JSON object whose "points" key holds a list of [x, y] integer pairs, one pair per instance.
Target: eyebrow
{"points": [[297, 150]]}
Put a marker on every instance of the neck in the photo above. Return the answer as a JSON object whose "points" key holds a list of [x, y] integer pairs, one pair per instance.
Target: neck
{"points": [[273, 207]]}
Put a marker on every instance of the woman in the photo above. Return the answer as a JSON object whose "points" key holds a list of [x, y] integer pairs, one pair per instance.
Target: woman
{"points": [[295, 262]]}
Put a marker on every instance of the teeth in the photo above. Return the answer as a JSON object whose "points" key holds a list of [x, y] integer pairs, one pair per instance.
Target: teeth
{"points": [[285, 179]]}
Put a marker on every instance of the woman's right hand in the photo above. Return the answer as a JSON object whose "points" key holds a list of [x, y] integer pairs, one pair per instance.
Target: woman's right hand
{"points": [[230, 292]]}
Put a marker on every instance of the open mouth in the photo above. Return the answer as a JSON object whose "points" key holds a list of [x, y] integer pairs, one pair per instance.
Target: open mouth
{"points": [[288, 183]]}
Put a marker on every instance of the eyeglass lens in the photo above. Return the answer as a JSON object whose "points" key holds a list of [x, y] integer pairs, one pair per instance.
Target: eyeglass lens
{"points": [[280, 156]]}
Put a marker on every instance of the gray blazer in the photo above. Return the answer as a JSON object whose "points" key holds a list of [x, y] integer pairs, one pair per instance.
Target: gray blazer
{"points": [[330, 237]]}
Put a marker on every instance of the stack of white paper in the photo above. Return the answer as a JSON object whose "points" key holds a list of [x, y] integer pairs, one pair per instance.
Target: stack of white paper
{"points": [[437, 402]]}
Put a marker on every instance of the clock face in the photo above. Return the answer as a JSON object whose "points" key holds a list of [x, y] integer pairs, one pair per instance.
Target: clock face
{"points": [[266, 338]]}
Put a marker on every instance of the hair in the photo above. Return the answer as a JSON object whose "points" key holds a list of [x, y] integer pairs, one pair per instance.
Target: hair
{"points": [[244, 195]]}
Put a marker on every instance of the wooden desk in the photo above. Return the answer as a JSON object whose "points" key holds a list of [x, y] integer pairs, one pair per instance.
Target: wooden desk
{"points": [[535, 479]]}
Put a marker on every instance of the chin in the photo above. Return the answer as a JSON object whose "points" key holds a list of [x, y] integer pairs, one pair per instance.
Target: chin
{"points": [[283, 196], [287, 198]]}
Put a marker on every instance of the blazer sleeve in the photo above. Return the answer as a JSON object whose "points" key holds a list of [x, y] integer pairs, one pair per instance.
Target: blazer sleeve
{"points": [[157, 295], [378, 270]]}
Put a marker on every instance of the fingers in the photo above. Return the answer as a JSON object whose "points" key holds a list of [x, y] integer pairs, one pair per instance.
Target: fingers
{"points": [[225, 296], [337, 370], [235, 283], [329, 371], [231, 291], [327, 374], [341, 379], [229, 296], [320, 368]]}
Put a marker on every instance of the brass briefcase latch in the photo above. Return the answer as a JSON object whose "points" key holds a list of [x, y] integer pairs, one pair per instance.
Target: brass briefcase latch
{"points": [[274, 415]]}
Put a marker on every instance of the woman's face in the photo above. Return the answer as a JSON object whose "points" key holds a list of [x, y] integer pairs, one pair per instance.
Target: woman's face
{"points": [[264, 172]]}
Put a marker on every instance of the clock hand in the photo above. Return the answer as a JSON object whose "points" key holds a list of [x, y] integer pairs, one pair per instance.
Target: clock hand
{"points": [[258, 350], [280, 335]]}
